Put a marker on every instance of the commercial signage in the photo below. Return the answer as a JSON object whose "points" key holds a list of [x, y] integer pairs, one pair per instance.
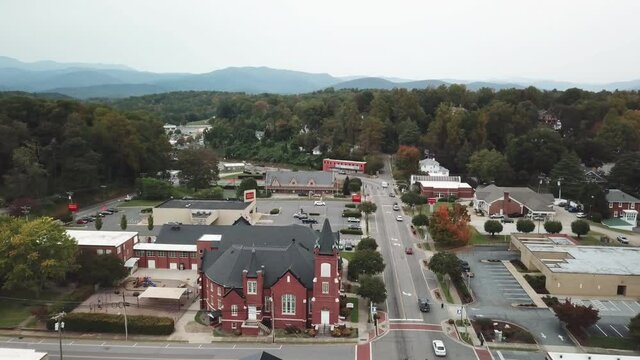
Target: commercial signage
{"points": [[249, 195], [73, 207], [431, 201], [356, 198]]}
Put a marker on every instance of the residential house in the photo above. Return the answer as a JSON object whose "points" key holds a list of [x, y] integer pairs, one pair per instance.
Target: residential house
{"points": [[432, 167], [512, 201], [619, 200]]}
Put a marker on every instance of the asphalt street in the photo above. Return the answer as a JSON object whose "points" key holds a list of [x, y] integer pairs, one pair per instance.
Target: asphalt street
{"points": [[82, 349]]}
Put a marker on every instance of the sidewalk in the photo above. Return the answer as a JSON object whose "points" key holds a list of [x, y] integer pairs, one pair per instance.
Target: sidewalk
{"points": [[187, 329]]}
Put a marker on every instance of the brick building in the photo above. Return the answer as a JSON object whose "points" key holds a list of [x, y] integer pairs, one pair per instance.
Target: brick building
{"points": [[442, 186], [120, 243], [512, 201], [301, 182], [287, 274], [619, 200], [344, 166]]}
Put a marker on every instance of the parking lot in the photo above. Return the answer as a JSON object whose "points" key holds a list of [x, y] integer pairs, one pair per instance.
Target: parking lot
{"points": [[614, 314], [492, 283], [516, 355], [332, 211]]}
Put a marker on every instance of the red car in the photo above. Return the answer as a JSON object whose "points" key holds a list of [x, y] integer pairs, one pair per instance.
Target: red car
{"points": [[408, 251], [82, 221]]}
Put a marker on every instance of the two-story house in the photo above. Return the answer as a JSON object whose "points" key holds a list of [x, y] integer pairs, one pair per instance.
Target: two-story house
{"points": [[619, 200], [279, 277]]}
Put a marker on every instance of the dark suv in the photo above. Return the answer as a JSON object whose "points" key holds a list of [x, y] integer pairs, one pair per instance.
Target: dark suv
{"points": [[465, 266], [423, 305]]}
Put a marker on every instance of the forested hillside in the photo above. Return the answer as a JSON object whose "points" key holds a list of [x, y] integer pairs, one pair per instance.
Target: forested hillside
{"points": [[55, 146], [494, 136]]}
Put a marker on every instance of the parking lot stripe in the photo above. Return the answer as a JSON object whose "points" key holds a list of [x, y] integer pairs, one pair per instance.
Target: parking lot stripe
{"points": [[614, 329], [627, 305], [614, 305], [604, 333]]}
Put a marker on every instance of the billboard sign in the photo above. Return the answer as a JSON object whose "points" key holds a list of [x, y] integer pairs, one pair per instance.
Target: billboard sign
{"points": [[250, 195], [73, 207], [356, 198], [431, 201]]}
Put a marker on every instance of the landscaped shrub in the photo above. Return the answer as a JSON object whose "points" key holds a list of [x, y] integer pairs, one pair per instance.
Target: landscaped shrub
{"points": [[462, 289], [351, 231], [290, 329], [146, 210], [537, 283], [111, 323], [351, 213], [314, 214], [551, 301], [274, 211], [596, 217], [350, 206]]}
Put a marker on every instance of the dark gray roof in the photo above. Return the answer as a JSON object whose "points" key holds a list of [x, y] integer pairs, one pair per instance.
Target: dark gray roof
{"points": [[615, 195], [225, 267], [238, 234], [524, 195], [321, 178], [326, 243], [204, 204], [261, 356]]}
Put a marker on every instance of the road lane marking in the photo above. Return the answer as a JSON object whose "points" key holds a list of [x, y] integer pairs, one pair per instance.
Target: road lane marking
{"points": [[598, 327]]}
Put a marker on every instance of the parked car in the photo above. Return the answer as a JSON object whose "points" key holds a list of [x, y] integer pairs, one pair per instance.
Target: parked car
{"points": [[105, 212], [496, 216], [392, 194], [465, 266], [438, 348], [82, 221], [399, 218], [309, 221], [622, 239], [423, 305], [319, 203], [113, 210], [408, 251], [128, 198], [581, 215], [355, 226], [396, 207], [348, 246], [573, 209], [506, 220], [353, 220], [300, 216]]}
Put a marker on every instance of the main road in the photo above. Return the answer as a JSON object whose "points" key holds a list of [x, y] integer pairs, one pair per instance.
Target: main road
{"points": [[411, 331]]}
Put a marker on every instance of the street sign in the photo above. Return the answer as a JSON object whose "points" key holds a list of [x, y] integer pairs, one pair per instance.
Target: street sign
{"points": [[250, 195], [431, 201], [73, 207], [356, 198]]}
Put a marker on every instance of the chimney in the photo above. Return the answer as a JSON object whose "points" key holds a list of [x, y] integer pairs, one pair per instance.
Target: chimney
{"points": [[506, 200]]}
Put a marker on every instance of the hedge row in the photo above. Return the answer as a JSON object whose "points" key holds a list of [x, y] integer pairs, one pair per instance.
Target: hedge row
{"points": [[351, 231], [111, 323], [351, 213], [350, 206]]}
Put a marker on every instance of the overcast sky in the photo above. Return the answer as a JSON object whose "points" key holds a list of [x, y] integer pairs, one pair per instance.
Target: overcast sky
{"points": [[581, 41]]}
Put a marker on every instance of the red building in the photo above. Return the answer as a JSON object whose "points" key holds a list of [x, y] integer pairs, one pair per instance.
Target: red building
{"points": [[619, 200], [512, 201], [443, 186], [120, 243], [271, 276], [344, 166]]}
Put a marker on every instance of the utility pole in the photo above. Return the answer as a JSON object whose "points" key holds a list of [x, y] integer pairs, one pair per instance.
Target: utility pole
{"points": [[560, 188], [124, 309], [58, 327]]}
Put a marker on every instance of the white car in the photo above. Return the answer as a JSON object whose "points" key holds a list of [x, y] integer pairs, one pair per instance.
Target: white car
{"points": [[353, 220], [622, 239], [319, 203], [438, 348], [399, 218], [581, 215]]}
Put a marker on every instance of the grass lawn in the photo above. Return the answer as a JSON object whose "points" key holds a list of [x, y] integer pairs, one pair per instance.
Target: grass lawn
{"points": [[593, 238], [479, 239], [610, 342], [354, 311], [12, 313], [445, 289], [348, 255], [426, 209], [141, 203]]}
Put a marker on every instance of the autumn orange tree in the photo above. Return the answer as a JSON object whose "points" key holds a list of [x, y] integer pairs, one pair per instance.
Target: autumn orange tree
{"points": [[449, 226], [407, 159]]}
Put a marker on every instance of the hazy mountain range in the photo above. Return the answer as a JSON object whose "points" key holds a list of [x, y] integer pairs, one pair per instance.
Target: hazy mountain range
{"points": [[84, 81]]}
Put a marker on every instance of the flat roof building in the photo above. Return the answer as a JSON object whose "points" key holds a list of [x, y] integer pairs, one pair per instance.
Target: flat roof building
{"points": [[580, 270], [203, 212], [106, 242]]}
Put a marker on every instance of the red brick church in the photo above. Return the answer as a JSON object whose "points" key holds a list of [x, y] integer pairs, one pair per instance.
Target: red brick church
{"points": [[271, 276]]}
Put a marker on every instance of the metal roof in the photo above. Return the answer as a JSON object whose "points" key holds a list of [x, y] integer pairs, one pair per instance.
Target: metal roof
{"points": [[602, 260], [203, 204], [101, 238], [615, 195]]}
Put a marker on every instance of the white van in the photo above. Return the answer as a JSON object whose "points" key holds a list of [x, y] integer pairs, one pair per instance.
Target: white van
{"points": [[385, 184]]}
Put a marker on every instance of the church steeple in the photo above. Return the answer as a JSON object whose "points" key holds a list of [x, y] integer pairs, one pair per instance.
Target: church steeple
{"points": [[326, 243]]}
